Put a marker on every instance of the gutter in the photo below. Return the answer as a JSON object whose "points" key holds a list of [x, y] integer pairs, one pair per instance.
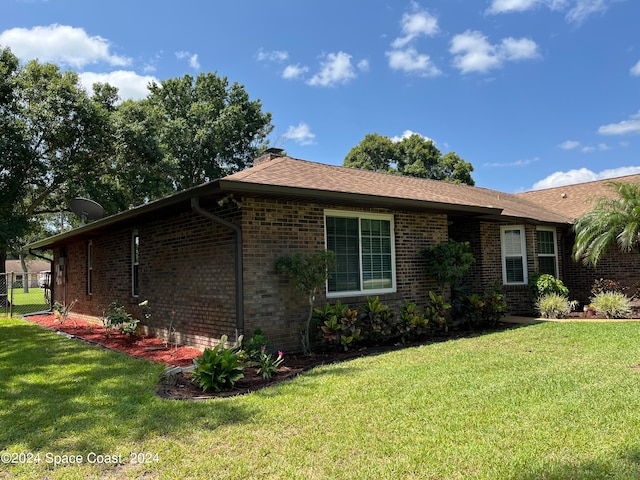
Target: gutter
{"points": [[239, 287]]}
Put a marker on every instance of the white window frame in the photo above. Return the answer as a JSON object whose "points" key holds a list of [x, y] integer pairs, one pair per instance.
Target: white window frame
{"points": [[523, 254], [135, 263], [555, 247], [90, 267], [366, 216]]}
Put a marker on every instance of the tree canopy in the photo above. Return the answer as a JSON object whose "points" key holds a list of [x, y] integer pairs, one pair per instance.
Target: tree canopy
{"points": [[613, 220], [59, 141], [413, 156]]}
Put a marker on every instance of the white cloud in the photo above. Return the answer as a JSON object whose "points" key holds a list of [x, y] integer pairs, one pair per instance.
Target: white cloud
{"points": [[60, 44], [191, 57], [291, 72], [624, 127], [277, 56], [577, 11], [410, 61], [336, 68], [516, 163], [582, 175], [301, 134], [363, 65], [130, 85], [635, 70], [414, 25], [407, 134], [473, 52], [569, 145]]}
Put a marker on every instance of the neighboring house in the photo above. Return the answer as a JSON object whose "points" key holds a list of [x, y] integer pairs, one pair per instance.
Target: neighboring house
{"points": [[37, 271], [204, 258]]}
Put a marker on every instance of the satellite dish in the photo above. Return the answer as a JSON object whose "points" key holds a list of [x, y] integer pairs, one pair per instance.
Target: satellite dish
{"points": [[86, 209]]}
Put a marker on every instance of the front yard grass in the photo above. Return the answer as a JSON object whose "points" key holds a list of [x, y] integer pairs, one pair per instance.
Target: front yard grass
{"points": [[548, 401]]}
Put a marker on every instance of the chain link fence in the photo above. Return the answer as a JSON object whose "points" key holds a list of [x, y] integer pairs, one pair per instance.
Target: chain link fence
{"points": [[24, 293]]}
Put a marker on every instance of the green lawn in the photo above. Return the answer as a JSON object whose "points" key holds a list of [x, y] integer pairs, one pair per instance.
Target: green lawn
{"points": [[549, 401], [27, 302]]}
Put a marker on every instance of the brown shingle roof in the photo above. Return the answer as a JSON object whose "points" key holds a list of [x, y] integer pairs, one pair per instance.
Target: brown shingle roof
{"points": [[574, 200], [310, 176]]}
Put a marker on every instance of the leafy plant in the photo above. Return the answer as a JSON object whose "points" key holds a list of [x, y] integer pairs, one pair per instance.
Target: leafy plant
{"points": [[484, 310], [118, 317], [61, 311], [543, 284], [554, 305], [218, 368], [436, 311], [602, 285], [448, 262], [267, 365], [611, 305], [310, 271], [411, 324], [338, 324], [378, 320], [254, 346]]}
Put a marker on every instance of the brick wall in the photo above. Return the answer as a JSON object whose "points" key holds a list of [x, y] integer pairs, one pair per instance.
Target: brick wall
{"points": [[274, 228]]}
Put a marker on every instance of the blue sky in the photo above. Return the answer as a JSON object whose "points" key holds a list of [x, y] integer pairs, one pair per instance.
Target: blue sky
{"points": [[534, 93]]}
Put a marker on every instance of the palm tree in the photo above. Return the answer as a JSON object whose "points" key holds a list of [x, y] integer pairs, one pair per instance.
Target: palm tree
{"points": [[613, 220]]}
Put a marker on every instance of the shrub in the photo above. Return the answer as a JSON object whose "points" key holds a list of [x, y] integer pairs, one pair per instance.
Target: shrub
{"points": [[602, 285], [253, 346], [484, 310], [118, 317], [338, 324], [410, 323], [436, 311], [543, 284], [611, 305], [553, 305], [448, 262], [378, 320], [218, 368], [267, 365]]}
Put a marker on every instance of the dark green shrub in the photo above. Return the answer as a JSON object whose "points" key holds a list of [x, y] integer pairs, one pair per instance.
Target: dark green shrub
{"points": [[218, 368], [411, 324], [484, 310], [378, 320], [338, 324], [543, 284], [448, 262], [253, 346], [436, 312]]}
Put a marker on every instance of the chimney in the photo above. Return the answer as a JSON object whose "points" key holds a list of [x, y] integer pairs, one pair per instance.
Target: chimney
{"points": [[268, 155]]}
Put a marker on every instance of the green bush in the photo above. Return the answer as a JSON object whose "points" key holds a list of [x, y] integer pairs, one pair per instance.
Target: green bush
{"points": [[378, 320], [118, 317], [338, 324], [484, 310], [218, 368], [543, 284], [553, 305], [253, 346], [611, 305], [436, 311], [411, 324]]}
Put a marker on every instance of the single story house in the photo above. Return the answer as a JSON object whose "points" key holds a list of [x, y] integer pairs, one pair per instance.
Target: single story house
{"points": [[37, 272], [204, 258]]}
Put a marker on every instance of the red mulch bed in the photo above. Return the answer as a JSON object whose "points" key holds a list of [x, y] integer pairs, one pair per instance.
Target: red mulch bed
{"points": [[176, 384], [140, 346]]}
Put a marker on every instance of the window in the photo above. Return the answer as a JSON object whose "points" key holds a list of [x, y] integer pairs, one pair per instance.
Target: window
{"points": [[90, 267], [514, 255], [364, 249], [547, 256], [135, 263]]}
